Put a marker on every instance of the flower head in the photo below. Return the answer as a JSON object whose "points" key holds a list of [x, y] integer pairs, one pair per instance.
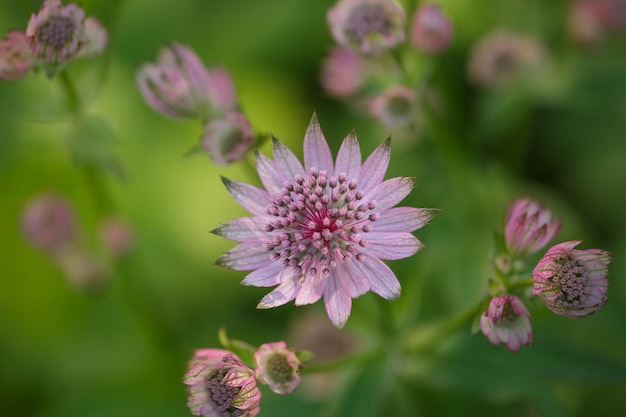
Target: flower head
{"points": [[394, 107], [431, 31], [229, 138], [528, 227], [367, 26], [56, 32], [16, 57], [48, 222], [343, 72], [180, 86], [322, 228], [501, 56], [507, 321], [572, 282], [117, 236], [278, 367], [220, 385]]}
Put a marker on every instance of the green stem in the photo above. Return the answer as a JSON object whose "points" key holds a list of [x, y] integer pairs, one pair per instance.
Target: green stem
{"points": [[527, 282], [73, 101], [427, 336], [355, 360]]}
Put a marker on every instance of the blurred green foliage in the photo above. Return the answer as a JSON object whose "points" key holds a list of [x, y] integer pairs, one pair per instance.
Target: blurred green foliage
{"points": [[122, 352]]}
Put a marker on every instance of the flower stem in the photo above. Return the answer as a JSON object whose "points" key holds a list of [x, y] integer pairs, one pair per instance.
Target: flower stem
{"points": [[73, 102], [355, 360], [425, 337]]}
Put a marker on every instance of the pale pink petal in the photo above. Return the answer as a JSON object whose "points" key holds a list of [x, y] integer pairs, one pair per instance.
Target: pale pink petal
{"points": [[245, 257], [349, 157], [282, 294], [252, 198], [404, 219], [287, 165], [271, 179], [389, 193], [316, 151], [382, 279], [338, 304], [375, 166], [244, 229], [391, 246], [266, 276], [352, 282], [312, 289]]}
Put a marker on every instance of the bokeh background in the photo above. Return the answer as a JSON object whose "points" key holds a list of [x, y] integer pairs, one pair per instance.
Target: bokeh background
{"points": [[121, 351]]}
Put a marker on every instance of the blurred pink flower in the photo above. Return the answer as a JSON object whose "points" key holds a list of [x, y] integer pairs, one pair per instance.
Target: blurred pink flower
{"points": [[278, 367], [16, 57], [220, 385], [431, 31], [507, 321], [528, 227], [367, 26], [501, 56], [117, 236], [343, 72], [56, 32], [572, 282], [48, 222], [180, 86], [83, 269], [394, 107], [96, 36], [322, 228], [229, 138]]}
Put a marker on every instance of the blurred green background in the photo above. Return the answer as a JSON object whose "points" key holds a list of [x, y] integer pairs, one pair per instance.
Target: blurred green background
{"points": [[122, 351]]}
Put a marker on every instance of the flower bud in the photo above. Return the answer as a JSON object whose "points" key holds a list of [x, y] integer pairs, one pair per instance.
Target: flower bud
{"points": [[278, 367], [507, 321], [431, 31]]}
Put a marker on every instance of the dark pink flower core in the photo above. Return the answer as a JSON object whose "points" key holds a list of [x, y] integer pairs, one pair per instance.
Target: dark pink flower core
{"points": [[507, 316], [319, 220], [56, 32], [368, 19], [570, 276]]}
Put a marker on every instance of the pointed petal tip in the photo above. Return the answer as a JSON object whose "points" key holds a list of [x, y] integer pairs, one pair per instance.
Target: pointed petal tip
{"points": [[263, 306]]}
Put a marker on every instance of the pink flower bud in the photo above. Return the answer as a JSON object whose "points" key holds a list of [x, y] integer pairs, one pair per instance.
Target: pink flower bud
{"points": [[572, 282], [394, 107], [16, 57], [219, 385], [278, 367], [343, 72], [48, 222], [528, 227], [507, 321], [228, 139]]}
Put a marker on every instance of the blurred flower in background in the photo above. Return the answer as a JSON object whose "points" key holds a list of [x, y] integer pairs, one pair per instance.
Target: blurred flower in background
{"points": [[117, 236], [395, 107], [48, 222], [228, 138], [501, 56], [367, 26], [528, 227], [343, 72], [16, 56], [431, 31]]}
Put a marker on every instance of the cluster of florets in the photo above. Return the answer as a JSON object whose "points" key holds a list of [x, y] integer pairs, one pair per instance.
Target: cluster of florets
{"points": [[571, 282], [220, 384], [54, 36], [178, 85], [361, 68]]}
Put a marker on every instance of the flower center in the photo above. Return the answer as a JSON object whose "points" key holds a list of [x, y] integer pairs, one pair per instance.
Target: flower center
{"points": [[221, 395], [319, 221], [366, 20], [56, 32], [278, 368], [508, 315], [571, 280]]}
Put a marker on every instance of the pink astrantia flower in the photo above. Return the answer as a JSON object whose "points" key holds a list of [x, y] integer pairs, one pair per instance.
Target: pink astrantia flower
{"points": [[56, 32], [394, 107], [431, 31], [367, 26], [180, 86], [277, 367], [507, 321], [321, 230], [572, 282], [16, 57], [220, 385], [229, 138], [343, 72], [528, 227], [48, 222]]}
